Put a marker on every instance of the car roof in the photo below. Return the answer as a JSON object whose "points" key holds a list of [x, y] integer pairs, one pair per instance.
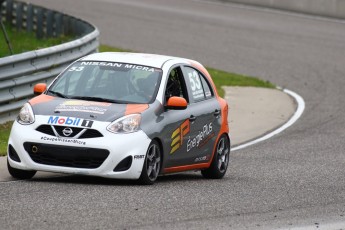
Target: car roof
{"points": [[153, 60]]}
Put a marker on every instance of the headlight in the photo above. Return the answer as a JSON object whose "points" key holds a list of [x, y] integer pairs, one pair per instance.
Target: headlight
{"points": [[126, 124], [26, 115]]}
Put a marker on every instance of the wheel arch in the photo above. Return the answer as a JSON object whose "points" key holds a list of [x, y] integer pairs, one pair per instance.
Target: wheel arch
{"points": [[216, 142], [160, 144]]}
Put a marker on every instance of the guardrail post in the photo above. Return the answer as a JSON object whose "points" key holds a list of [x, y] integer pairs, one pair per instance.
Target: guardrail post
{"points": [[72, 28], [58, 24], [49, 24], [9, 8], [29, 18], [19, 15], [39, 23]]}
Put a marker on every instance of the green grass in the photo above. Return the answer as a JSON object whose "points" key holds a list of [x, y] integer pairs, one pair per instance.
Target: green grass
{"points": [[222, 78], [4, 134], [106, 48], [23, 41]]}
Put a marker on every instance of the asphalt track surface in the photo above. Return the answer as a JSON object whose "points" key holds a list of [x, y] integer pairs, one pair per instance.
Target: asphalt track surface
{"points": [[293, 180]]}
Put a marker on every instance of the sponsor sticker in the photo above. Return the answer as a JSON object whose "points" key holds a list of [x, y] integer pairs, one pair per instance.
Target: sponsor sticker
{"points": [[203, 158], [87, 123], [69, 121], [137, 157], [118, 65], [202, 138], [86, 103], [63, 140], [178, 134], [83, 106]]}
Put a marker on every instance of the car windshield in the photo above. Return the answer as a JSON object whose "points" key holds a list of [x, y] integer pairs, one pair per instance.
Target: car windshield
{"points": [[108, 81]]}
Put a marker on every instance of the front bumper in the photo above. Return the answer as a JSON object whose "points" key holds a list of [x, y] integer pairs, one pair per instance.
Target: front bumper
{"points": [[119, 147]]}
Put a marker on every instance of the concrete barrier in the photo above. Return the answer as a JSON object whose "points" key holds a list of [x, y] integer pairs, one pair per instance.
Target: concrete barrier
{"points": [[327, 8]]}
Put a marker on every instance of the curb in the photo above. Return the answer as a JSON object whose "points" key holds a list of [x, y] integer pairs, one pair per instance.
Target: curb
{"points": [[298, 113]]}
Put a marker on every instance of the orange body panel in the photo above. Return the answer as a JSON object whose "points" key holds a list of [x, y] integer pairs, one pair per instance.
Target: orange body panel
{"points": [[136, 108], [186, 168], [41, 99]]}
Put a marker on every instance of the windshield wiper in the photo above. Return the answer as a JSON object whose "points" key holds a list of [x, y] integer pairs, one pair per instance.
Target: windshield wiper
{"points": [[100, 99], [58, 94]]}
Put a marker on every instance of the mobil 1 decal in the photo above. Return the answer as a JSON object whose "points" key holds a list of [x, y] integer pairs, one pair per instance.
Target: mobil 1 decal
{"points": [[69, 121]]}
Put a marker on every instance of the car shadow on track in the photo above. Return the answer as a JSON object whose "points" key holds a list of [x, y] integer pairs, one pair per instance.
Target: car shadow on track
{"points": [[90, 180]]}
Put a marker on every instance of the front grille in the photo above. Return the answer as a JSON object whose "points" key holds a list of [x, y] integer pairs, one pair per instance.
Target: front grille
{"points": [[74, 129], [47, 129], [87, 133], [66, 156], [91, 133]]}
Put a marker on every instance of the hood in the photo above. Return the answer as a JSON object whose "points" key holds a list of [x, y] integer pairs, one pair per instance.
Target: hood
{"points": [[92, 110]]}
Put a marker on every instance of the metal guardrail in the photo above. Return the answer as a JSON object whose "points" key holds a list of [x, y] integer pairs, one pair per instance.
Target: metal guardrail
{"points": [[19, 73]]}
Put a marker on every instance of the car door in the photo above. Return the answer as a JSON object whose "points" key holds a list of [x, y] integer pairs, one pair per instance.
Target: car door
{"points": [[175, 122], [205, 122]]}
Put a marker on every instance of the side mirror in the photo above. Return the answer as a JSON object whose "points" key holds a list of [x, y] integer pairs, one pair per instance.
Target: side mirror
{"points": [[39, 88], [178, 103]]}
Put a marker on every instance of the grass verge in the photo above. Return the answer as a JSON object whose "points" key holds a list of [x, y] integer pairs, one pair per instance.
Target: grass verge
{"points": [[222, 78], [23, 41], [5, 130]]}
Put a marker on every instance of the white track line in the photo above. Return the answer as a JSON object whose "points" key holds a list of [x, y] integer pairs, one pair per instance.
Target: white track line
{"points": [[293, 119]]}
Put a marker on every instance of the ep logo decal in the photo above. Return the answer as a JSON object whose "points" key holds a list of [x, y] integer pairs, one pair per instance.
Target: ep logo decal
{"points": [[178, 134]]}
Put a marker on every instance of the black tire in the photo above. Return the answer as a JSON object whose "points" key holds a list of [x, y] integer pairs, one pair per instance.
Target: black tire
{"points": [[152, 164], [20, 174], [220, 161]]}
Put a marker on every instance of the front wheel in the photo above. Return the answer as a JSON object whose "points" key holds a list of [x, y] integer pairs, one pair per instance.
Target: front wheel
{"points": [[20, 174], [152, 164], [220, 160]]}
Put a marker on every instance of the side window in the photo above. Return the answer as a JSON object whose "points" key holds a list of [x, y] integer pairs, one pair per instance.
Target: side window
{"points": [[207, 90], [176, 85], [198, 85]]}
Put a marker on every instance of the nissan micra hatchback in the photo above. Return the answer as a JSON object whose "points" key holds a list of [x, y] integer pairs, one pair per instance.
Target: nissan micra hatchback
{"points": [[123, 115]]}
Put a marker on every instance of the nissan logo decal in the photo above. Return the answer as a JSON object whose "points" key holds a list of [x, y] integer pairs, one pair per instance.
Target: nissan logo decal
{"points": [[67, 132]]}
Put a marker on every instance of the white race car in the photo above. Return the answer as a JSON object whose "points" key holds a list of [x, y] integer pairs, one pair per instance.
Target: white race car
{"points": [[123, 115]]}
